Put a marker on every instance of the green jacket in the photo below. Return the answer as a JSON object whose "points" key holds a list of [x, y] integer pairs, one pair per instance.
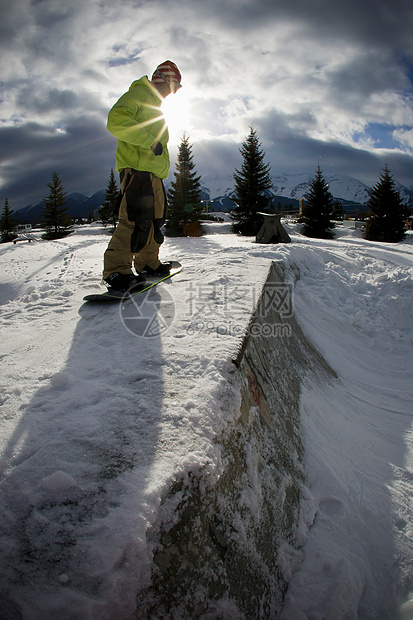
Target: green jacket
{"points": [[136, 120]]}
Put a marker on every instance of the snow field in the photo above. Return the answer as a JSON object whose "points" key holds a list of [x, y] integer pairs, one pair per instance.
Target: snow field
{"points": [[97, 423]]}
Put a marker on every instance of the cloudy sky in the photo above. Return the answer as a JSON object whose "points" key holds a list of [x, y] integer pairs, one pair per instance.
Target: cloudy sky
{"points": [[326, 81]]}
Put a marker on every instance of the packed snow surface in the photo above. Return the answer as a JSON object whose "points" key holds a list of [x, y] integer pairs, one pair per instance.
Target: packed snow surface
{"points": [[99, 417]]}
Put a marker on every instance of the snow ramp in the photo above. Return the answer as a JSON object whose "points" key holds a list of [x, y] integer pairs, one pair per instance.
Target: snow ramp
{"points": [[236, 538]]}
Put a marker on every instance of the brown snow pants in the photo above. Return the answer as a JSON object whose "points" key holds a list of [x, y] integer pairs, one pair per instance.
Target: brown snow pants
{"points": [[137, 237]]}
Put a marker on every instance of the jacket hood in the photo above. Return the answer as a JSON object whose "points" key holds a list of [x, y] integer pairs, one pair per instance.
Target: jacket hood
{"points": [[144, 82]]}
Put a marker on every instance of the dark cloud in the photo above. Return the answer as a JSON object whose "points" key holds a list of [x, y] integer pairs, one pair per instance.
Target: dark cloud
{"points": [[283, 146], [47, 100], [368, 21], [367, 74], [82, 155], [336, 158], [322, 78]]}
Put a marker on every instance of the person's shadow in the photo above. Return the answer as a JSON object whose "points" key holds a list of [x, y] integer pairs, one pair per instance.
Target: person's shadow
{"points": [[75, 472]]}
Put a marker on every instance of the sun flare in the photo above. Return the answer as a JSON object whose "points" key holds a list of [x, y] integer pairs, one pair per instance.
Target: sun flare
{"points": [[176, 111]]}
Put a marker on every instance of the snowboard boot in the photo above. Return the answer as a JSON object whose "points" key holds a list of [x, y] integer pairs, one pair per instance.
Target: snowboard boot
{"points": [[163, 270], [124, 282]]}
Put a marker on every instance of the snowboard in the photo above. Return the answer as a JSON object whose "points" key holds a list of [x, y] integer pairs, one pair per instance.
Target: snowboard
{"points": [[150, 282]]}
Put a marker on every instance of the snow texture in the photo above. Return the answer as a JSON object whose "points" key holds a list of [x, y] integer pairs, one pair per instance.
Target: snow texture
{"points": [[97, 422]]}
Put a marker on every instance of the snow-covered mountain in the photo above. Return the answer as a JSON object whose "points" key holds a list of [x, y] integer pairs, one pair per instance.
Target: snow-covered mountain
{"points": [[296, 185], [218, 185], [406, 193], [341, 186]]}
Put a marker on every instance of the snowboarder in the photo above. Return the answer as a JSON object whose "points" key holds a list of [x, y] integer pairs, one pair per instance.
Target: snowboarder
{"points": [[142, 159]]}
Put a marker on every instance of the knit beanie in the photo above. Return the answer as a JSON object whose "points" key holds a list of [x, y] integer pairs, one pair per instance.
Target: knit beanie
{"points": [[167, 72]]}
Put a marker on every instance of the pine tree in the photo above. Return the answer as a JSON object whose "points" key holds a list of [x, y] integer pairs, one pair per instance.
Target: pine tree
{"points": [[55, 212], [7, 224], [184, 197], [252, 185], [107, 211], [388, 212], [318, 209]]}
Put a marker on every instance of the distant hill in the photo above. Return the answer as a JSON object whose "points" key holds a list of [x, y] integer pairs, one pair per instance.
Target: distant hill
{"points": [[80, 206]]}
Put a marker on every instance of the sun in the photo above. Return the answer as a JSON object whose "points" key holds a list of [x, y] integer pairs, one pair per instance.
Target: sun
{"points": [[176, 111]]}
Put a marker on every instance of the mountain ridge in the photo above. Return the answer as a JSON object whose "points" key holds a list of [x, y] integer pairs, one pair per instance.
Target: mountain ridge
{"points": [[287, 189], [80, 206]]}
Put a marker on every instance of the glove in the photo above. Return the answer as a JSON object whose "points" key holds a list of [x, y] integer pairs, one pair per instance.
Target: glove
{"points": [[157, 148]]}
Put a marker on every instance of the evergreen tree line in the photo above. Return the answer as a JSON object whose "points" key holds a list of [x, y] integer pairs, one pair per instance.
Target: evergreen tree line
{"points": [[252, 196], [387, 217], [387, 211], [55, 218]]}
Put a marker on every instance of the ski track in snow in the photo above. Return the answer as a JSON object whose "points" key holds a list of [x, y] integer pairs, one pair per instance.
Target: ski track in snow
{"points": [[96, 422]]}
